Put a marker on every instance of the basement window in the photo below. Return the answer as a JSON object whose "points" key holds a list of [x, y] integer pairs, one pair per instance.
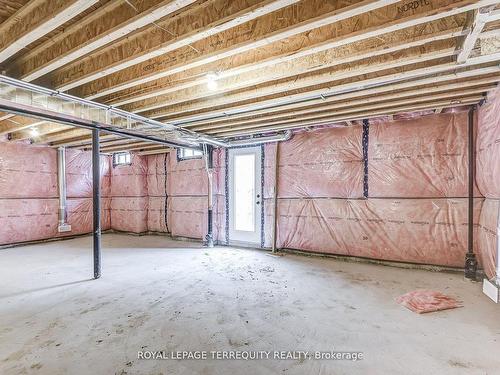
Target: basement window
{"points": [[121, 158], [188, 153]]}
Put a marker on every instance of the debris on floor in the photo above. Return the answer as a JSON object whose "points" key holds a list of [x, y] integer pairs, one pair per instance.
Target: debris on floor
{"points": [[425, 301]]}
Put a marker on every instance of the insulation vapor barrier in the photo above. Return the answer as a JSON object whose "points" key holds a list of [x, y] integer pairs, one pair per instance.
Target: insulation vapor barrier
{"points": [[394, 190], [417, 183], [129, 199], [188, 196], [30, 210], [426, 231], [488, 180]]}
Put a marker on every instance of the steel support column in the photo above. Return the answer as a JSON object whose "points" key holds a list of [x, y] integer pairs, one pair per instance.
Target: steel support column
{"points": [[470, 257], [96, 200]]}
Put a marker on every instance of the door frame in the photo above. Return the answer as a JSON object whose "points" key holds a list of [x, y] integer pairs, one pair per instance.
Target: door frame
{"points": [[259, 151]]}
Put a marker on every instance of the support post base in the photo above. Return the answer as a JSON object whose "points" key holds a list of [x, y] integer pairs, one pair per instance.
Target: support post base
{"points": [[471, 266]]}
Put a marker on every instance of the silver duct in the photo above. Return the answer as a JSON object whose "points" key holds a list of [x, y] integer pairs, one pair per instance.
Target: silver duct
{"points": [[285, 136], [61, 182]]}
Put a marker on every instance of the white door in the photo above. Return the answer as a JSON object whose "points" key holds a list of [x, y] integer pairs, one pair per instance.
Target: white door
{"points": [[245, 195]]}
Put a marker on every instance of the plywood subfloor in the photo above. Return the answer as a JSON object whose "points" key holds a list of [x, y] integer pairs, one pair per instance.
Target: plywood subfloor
{"points": [[158, 294]]}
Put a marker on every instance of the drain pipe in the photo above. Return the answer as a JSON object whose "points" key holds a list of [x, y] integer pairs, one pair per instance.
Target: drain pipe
{"points": [[61, 182]]}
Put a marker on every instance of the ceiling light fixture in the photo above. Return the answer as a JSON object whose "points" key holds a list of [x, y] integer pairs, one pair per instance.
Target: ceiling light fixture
{"points": [[212, 81], [34, 132]]}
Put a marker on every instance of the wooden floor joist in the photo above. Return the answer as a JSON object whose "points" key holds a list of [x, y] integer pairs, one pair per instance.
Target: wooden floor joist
{"points": [[444, 48], [230, 68], [337, 102], [270, 47], [411, 73], [321, 117], [180, 32], [34, 20], [341, 107], [351, 117], [109, 23], [443, 82]]}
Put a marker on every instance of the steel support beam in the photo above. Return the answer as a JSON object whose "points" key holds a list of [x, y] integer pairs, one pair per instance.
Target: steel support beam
{"points": [[96, 199]]}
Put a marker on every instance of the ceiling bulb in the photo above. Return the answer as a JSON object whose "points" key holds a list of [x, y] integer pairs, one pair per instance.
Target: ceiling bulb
{"points": [[212, 81], [212, 85], [34, 132]]}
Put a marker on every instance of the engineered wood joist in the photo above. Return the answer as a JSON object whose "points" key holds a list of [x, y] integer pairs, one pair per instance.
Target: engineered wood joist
{"points": [[337, 101], [72, 140], [155, 152], [293, 42], [35, 19], [20, 123], [443, 82], [355, 116], [61, 135], [163, 37], [300, 18], [412, 96], [293, 64], [112, 21], [479, 19], [84, 142], [295, 81], [276, 64], [322, 116], [379, 78], [138, 146]]}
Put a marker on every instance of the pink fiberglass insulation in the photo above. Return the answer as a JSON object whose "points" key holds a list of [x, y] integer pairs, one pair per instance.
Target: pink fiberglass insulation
{"points": [[157, 192], [429, 231], [80, 215], [187, 216], [156, 215], [421, 157], [130, 180], [488, 232], [24, 220], [219, 157], [488, 147], [129, 202], [29, 174], [27, 171], [219, 186], [79, 174], [425, 301], [323, 163], [488, 180], [129, 214], [186, 177], [156, 168]]}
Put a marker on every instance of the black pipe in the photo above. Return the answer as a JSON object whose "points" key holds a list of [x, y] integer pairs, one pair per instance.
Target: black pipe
{"points": [[96, 200], [470, 257]]}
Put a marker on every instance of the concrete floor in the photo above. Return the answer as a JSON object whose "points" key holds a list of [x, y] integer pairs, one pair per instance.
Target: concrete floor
{"points": [[158, 294]]}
